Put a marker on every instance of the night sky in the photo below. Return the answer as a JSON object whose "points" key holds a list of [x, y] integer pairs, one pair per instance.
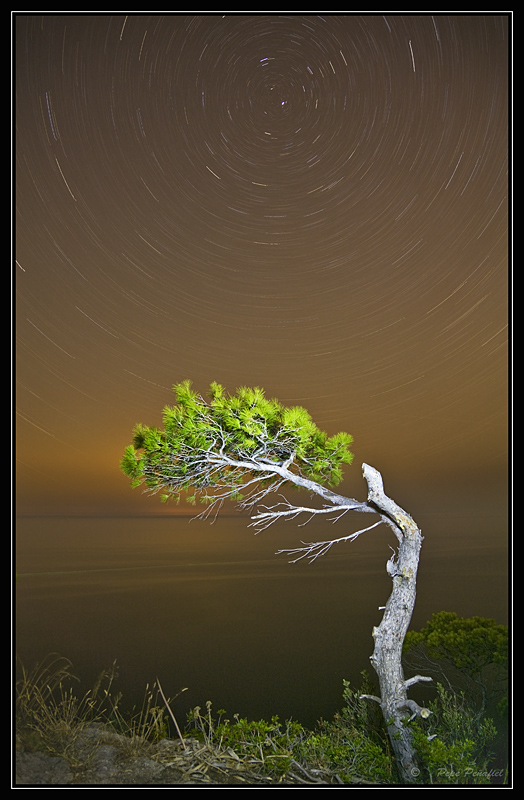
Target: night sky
{"points": [[317, 205]]}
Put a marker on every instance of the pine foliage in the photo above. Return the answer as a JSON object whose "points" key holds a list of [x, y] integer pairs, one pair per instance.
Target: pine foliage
{"points": [[469, 644], [223, 439]]}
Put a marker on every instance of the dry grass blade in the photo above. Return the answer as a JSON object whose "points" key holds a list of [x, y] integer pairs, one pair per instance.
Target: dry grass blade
{"points": [[171, 713]]}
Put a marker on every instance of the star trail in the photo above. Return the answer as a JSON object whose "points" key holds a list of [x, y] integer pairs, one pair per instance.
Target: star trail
{"points": [[314, 204]]}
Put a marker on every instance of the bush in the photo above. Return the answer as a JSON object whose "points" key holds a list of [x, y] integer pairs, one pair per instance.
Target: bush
{"points": [[453, 746]]}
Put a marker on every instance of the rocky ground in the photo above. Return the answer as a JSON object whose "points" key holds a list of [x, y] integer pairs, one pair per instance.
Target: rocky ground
{"points": [[101, 757]]}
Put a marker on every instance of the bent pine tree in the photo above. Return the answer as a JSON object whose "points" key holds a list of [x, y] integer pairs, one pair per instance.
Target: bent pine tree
{"points": [[244, 447]]}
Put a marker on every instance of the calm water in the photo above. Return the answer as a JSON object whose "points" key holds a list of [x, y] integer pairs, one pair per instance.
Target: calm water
{"points": [[211, 608]]}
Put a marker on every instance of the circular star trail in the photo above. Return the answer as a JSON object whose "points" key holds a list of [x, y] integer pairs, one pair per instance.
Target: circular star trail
{"points": [[314, 204]]}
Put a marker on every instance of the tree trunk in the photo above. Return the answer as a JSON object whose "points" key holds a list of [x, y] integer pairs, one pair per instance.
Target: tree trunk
{"points": [[389, 635]]}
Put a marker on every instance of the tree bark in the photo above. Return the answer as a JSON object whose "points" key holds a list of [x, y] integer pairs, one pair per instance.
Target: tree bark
{"points": [[389, 635]]}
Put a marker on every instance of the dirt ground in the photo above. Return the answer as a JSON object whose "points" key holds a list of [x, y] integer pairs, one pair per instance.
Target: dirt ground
{"points": [[102, 758]]}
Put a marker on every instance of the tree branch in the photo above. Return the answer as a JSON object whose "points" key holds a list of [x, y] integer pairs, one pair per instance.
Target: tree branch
{"points": [[269, 468], [416, 679], [395, 516], [273, 513], [314, 550]]}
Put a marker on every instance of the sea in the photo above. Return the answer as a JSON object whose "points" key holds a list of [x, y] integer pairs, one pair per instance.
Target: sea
{"points": [[215, 614]]}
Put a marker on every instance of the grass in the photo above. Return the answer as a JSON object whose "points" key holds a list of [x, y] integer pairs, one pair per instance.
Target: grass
{"points": [[352, 748], [50, 717]]}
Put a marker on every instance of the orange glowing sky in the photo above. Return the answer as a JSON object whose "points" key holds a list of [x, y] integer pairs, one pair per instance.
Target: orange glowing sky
{"points": [[312, 204]]}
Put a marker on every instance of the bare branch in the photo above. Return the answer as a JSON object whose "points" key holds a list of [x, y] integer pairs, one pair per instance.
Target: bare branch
{"points": [[266, 518], [393, 514], [371, 697], [416, 679], [313, 550]]}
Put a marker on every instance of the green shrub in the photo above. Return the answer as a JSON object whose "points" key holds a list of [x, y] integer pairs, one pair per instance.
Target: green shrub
{"points": [[453, 745]]}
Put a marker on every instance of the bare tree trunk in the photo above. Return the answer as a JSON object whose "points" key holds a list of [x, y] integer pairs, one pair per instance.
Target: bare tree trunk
{"points": [[389, 635]]}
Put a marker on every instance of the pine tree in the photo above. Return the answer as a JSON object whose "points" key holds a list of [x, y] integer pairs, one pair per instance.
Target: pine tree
{"points": [[245, 447]]}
